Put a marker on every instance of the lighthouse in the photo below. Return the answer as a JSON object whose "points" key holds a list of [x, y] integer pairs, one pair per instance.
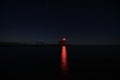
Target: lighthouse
{"points": [[62, 41]]}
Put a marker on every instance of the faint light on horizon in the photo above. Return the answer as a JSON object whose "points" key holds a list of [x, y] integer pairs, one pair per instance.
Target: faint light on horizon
{"points": [[64, 39]]}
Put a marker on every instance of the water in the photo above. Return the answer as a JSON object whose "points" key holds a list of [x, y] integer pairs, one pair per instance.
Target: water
{"points": [[64, 64], [45, 62]]}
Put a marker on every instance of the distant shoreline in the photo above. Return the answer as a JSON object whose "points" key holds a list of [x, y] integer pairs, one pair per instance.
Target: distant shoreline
{"points": [[43, 44]]}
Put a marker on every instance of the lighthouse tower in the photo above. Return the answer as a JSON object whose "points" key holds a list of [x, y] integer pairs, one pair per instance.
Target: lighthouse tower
{"points": [[62, 41]]}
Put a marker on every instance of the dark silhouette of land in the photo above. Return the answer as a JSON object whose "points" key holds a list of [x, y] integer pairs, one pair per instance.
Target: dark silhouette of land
{"points": [[47, 44], [32, 44]]}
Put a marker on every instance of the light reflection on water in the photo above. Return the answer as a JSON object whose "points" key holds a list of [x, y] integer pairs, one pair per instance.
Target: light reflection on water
{"points": [[64, 63]]}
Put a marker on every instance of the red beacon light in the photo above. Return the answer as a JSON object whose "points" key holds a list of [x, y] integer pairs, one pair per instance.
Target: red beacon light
{"points": [[62, 41]]}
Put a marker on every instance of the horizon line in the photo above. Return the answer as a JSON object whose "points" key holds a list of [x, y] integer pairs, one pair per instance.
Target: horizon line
{"points": [[36, 43]]}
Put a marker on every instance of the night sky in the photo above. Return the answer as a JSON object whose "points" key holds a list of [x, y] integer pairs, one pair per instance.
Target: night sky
{"points": [[81, 21]]}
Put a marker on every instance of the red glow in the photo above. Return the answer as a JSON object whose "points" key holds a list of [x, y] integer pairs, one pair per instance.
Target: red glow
{"points": [[64, 63], [64, 39]]}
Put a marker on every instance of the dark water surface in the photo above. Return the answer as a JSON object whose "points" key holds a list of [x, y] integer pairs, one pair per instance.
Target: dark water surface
{"points": [[44, 62]]}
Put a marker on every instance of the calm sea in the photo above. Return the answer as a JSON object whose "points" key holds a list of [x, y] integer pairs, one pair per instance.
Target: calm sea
{"points": [[58, 63]]}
